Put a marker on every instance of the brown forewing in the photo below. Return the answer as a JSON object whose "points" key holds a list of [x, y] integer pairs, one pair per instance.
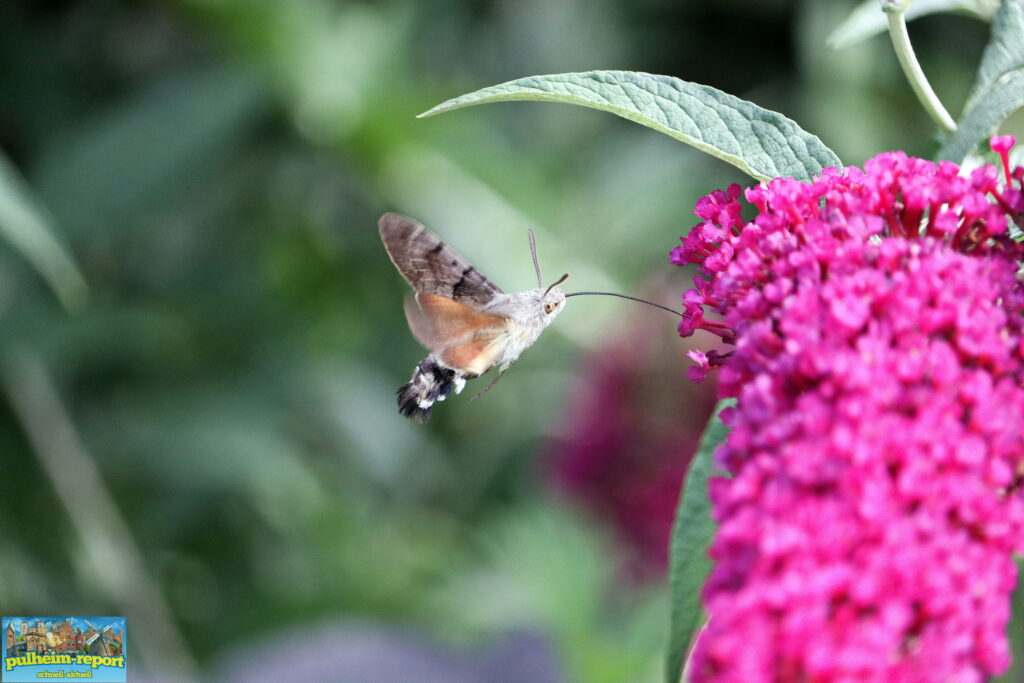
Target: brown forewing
{"points": [[429, 265]]}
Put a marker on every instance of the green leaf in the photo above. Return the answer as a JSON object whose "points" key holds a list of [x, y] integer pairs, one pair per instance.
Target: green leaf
{"points": [[868, 19], [761, 143], [982, 120], [1015, 630], [1004, 52], [29, 229], [999, 88], [691, 537]]}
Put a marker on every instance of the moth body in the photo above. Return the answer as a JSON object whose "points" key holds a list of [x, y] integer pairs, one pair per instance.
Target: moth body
{"points": [[527, 314]]}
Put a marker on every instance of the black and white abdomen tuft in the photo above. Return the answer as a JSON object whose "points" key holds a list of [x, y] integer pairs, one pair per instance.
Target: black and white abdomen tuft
{"points": [[430, 382]]}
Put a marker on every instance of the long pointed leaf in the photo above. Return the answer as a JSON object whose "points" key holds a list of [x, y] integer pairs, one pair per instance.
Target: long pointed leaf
{"points": [[999, 90], [29, 229], [761, 143], [691, 537]]}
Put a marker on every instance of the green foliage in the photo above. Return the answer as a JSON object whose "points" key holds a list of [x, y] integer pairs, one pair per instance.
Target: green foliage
{"points": [[1004, 52], [761, 143], [867, 20], [175, 130], [1015, 629], [691, 537], [999, 86], [549, 568], [28, 228]]}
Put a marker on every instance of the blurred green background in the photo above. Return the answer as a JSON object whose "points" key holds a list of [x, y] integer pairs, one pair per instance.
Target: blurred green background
{"points": [[208, 441]]}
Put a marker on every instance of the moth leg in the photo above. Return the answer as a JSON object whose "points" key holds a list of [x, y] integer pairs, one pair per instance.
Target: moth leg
{"points": [[488, 387]]}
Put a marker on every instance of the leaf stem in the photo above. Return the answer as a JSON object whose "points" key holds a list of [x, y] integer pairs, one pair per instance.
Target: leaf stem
{"points": [[912, 69]]}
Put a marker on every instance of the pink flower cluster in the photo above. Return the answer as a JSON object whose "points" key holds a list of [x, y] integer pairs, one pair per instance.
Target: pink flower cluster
{"points": [[875, 459]]}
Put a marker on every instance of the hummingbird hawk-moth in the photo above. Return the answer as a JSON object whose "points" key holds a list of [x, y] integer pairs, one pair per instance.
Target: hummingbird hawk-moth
{"points": [[466, 322]]}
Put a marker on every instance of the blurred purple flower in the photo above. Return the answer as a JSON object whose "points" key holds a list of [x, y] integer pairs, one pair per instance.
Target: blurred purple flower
{"points": [[626, 440], [873, 504], [356, 651]]}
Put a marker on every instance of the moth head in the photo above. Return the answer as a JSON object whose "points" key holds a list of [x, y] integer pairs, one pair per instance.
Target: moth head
{"points": [[553, 298]]}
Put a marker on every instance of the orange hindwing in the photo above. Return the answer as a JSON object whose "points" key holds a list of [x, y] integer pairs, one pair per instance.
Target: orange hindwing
{"points": [[461, 336]]}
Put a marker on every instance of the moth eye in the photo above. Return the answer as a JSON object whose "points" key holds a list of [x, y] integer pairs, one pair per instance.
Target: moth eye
{"points": [[548, 308]]}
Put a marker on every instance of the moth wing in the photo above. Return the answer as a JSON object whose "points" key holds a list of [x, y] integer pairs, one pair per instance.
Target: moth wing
{"points": [[430, 266], [474, 357], [462, 337]]}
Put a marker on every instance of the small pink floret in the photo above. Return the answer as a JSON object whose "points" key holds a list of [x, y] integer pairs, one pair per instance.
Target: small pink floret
{"points": [[1002, 144]]}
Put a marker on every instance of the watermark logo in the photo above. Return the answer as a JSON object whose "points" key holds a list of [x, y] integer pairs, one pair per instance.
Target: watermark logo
{"points": [[64, 649]]}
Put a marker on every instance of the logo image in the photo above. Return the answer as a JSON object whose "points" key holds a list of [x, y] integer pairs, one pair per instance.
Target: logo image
{"points": [[64, 649]]}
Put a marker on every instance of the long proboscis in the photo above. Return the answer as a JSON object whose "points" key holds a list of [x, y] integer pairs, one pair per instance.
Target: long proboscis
{"points": [[631, 298]]}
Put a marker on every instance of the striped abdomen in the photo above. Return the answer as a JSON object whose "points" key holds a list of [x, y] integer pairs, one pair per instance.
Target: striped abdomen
{"points": [[430, 382]]}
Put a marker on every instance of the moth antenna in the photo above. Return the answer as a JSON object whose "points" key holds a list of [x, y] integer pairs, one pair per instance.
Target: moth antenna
{"points": [[557, 282], [488, 387], [631, 298], [536, 261]]}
